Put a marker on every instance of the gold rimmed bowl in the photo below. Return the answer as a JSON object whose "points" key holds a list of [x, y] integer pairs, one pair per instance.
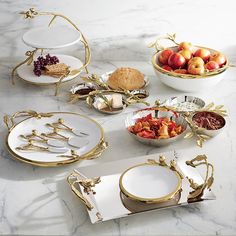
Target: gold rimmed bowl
{"points": [[150, 185], [187, 82], [132, 119]]}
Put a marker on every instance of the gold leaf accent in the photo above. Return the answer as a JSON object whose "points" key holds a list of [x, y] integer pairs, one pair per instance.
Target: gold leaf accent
{"points": [[210, 182], [189, 135], [199, 142]]}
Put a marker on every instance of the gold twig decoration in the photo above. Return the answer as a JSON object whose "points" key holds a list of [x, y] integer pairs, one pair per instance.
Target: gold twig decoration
{"points": [[30, 14], [162, 162], [198, 189], [219, 109], [28, 61], [156, 43], [10, 120], [93, 78], [96, 153]]}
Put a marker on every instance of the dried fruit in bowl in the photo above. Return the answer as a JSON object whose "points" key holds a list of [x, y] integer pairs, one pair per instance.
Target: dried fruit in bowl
{"points": [[155, 128]]}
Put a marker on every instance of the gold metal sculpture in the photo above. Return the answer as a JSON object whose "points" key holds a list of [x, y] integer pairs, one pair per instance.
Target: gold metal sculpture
{"points": [[198, 189], [32, 13]]}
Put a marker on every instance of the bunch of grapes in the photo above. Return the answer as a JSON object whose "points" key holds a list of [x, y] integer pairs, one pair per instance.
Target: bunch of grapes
{"points": [[41, 62]]}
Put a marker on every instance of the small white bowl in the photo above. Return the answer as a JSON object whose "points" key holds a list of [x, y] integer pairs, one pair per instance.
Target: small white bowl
{"points": [[187, 82]]}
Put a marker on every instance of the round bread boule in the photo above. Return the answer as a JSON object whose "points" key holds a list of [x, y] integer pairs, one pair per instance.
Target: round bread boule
{"points": [[126, 78]]}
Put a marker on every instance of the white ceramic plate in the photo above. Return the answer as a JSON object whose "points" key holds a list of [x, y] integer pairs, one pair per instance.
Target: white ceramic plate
{"points": [[104, 78], [76, 121], [26, 73], [51, 37], [148, 182]]}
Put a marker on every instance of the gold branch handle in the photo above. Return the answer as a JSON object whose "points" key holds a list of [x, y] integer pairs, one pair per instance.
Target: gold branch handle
{"points": [[156, 44], [10, 120], [28, 61], [198, 189], [102, 146], [83, 199]]}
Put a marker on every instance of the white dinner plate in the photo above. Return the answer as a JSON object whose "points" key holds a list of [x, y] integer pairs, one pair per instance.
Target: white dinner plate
{"points": [[26, 73], [95, 135], [51, 37], [150, 183]]}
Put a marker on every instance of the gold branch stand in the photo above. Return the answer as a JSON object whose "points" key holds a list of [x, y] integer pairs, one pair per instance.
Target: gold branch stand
{"points": [[32, 13]]}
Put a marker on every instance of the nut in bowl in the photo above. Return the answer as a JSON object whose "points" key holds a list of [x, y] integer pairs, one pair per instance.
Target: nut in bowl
{"points": [[156, 127], [188, 68]]}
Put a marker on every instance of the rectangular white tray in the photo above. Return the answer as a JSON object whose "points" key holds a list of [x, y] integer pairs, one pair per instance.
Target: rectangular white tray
{"points": [[106, 202]]}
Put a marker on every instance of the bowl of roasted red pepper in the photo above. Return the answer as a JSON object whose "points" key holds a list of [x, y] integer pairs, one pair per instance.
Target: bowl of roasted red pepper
{"points": [[156, 127]]}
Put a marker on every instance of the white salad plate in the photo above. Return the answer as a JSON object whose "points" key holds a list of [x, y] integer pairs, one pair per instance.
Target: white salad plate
{"points": [[51, 37], [93, 138], [26, 73]]}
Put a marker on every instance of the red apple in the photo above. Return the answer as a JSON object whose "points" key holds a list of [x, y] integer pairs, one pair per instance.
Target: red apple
{"points": [[176, 61], [219, 58], [166, 67], [196, 68], [164, 56], [181, 71], [187, 54], [203, 53], [196, 60], [185, 46], [212, 65]]}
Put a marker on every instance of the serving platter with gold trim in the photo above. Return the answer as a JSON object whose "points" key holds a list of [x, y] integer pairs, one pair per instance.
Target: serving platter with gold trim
{"points": [[91, 142], [136, 185]]}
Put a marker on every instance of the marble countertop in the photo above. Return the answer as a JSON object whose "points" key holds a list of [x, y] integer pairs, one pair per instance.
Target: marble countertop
{"points": [[38, 201]]}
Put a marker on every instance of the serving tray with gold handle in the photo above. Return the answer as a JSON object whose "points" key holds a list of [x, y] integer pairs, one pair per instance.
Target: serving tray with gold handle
{"points": [[44, 139], [136, 185]]}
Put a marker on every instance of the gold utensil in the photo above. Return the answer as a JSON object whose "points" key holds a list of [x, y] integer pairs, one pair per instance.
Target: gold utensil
{"points": [[60, 125], [32, 147]]}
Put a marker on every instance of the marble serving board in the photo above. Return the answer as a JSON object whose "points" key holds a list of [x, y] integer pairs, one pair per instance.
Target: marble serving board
{"points": [[107, 203]]}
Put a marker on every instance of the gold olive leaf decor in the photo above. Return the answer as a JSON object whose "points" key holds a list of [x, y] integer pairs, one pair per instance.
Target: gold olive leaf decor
{"points": [[198, 189], [196, 131], [102, 90], [32, 13]]}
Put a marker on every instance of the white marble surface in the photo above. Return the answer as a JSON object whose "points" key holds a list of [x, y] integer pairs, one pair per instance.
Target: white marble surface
{"points": [[38, 201]]}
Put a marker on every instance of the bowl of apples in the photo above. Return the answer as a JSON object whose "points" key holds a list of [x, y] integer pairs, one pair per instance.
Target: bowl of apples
{"points": [[186, 67]]}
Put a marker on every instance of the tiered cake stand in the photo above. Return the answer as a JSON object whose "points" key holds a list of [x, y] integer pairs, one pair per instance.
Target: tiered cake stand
{"points": [[48, 38]]}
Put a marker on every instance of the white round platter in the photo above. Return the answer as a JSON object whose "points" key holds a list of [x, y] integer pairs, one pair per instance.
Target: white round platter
{"points": [[51, 37], [26, 73], [42, 158], [150, 183], [104, 78]]}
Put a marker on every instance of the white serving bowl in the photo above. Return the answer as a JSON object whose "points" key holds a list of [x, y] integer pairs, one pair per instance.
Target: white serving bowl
{"points": [[187, 82]]}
